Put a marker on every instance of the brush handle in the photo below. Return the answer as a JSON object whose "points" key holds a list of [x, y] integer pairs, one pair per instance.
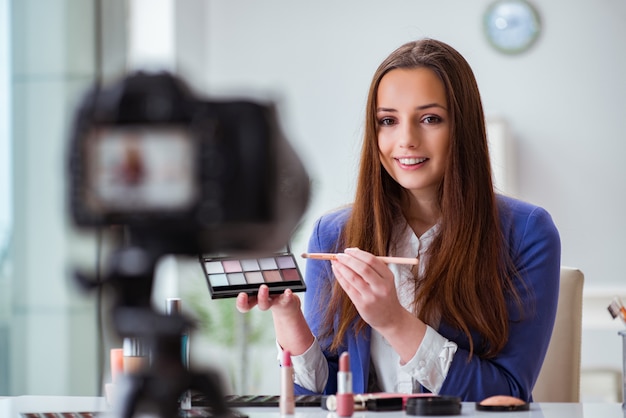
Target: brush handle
{"points": [[388, 260]]}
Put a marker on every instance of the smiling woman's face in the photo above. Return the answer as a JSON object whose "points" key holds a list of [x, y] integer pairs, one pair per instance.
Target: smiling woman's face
{"points": [[413, 129]]}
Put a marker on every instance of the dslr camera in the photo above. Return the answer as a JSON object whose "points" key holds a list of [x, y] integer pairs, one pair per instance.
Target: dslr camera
{"points": [[182, 174]]}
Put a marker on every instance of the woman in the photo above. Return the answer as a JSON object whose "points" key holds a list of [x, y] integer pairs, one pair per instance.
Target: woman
{"points": [[474, 319]]}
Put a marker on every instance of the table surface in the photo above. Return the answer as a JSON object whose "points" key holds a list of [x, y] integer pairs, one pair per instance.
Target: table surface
{"points": [[13, 406]]}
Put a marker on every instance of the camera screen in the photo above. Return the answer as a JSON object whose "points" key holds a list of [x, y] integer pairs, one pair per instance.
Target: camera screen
{"points": [[140, 169]]}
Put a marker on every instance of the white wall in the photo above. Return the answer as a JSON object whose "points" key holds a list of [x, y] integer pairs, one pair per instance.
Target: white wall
{"points": [[563, 99]]}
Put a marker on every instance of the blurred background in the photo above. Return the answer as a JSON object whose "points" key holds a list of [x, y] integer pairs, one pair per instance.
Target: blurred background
{"points": [[557, 126]]}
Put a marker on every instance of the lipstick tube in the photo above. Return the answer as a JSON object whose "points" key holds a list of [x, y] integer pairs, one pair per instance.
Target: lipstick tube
{"points": [[345, 397], [286, 401]]}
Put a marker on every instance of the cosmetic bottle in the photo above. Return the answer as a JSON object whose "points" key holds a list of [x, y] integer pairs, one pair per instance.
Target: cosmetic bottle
{"points": [[623, 335], [136, 357], [173, 306], [116, 360]]}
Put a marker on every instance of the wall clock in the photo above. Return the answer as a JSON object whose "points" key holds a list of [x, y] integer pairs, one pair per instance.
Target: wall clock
{"points": [[511, 26]]}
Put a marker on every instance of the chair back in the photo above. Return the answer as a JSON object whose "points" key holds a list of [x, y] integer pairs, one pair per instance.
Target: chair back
{"points": [[559, 378]]}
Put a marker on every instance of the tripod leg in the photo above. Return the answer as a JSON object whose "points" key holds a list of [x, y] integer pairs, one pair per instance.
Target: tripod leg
{"points": [[210, 385], [129, 392]]}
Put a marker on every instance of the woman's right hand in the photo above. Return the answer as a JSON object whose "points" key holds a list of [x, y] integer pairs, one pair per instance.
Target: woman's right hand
{"points": [[292, 331], [284, 303]]}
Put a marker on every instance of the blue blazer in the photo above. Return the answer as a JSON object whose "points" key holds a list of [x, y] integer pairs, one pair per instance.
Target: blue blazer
{"points": [[535, 247]]}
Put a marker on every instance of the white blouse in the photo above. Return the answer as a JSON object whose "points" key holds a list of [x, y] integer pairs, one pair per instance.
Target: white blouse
{"points": [[431, 362]]}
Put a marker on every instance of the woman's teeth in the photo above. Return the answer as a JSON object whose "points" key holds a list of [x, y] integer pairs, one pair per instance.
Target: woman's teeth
{"points": [[411, 161]]}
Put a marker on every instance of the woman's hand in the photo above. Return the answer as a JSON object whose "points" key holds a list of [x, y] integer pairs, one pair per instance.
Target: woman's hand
{"points": [[369, 283], [290, 326], [284, 303]]}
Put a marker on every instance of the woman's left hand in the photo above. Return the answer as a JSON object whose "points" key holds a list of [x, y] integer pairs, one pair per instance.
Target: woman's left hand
{"points": [[369, 283]]}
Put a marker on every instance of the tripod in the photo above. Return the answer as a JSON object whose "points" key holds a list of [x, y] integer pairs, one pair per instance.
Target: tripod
{"points": [[159, 388]]}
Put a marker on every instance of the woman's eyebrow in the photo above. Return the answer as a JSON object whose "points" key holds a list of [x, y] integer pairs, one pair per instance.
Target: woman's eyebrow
{"points": [[427, 106], [422, 107]]}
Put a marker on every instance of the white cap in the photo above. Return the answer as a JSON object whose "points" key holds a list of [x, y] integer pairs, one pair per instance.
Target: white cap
{"points": [[134, 347]]}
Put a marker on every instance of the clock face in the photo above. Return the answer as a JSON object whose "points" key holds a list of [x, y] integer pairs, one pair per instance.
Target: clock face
{"points": [[511, 26]]}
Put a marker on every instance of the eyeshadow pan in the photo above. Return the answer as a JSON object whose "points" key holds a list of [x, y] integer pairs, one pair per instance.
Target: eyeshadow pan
{"points": [[290, 275], [272, 276], [268, 263], [285, 262], [213, 267], [218, 280], [236, 278], [231, 266], [250, 265], [254, 277]]}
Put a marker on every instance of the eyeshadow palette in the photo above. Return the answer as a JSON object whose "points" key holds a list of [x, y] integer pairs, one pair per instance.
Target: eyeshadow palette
{"points": [[228, 276]]}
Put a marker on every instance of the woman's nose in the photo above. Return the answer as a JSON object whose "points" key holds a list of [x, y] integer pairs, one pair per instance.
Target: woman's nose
{"points": [[409, 136]]}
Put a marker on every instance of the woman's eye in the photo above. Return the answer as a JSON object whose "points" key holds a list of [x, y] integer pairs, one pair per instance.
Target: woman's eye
{"points": [[386, 121], [431, 119]]}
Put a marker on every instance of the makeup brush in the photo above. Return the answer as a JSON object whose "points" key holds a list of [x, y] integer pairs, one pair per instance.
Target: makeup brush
{"points": [[616, 308], [388, 260]]}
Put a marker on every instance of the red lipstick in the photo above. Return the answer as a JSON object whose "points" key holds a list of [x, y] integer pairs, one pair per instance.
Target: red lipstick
{"points": [[287, 401], [345, 398]]}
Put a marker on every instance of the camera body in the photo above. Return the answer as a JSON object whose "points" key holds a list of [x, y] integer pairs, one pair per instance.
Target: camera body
{"points": [[182, 174]]}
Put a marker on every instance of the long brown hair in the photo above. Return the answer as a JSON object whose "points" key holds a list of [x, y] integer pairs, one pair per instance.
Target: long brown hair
{"points": [[469, 269]]}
